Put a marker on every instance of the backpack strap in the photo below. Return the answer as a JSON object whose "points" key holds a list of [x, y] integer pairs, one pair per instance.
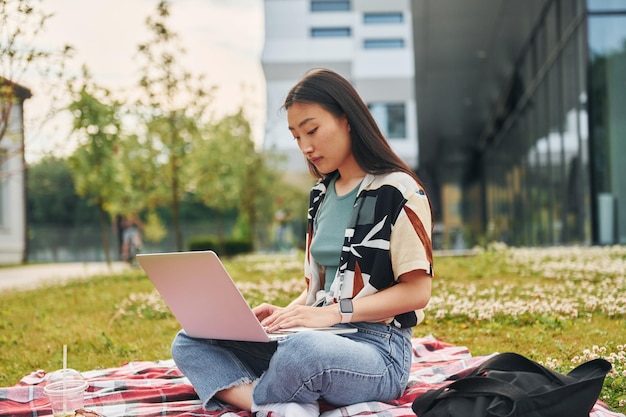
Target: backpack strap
{"points": [[513, 362]]}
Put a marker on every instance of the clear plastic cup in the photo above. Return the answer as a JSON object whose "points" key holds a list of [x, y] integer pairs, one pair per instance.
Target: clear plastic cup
{"points": [[66, 390]]}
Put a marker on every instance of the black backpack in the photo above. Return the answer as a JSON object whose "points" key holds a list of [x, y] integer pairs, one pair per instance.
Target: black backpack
{"points": [[510, 385]]}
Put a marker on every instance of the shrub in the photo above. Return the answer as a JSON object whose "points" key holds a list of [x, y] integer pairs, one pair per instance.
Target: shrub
{"points": [[228, 247], [202, 243]]}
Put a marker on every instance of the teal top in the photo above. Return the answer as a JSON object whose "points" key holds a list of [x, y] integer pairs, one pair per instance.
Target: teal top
{"points": [[330, 229]]}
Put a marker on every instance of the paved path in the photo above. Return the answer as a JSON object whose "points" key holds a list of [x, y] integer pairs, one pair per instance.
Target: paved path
{"points": [[31, 276]]}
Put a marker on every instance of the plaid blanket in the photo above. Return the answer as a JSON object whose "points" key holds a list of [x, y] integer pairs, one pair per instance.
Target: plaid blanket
{"points": [[159, 389]]}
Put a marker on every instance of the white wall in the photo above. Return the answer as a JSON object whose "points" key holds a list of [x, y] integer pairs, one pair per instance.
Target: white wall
{"points": [[12, 211]]}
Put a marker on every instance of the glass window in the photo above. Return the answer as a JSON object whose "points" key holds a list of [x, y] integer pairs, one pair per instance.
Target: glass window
{"points": [[330, 32], [582, 129], [526, 69], [606, 5], [383, 43], [541, 49], [391, 119], [537, 182], [568, 13], [574, 183], [380, 18], [607, 45], [539, 164], [526, 206], [556, 156], [533, 186], [330, 5], [579, 7], [552, 27]]}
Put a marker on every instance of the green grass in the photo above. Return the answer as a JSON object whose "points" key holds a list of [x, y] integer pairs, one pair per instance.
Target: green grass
{"points": [[557, 306]]}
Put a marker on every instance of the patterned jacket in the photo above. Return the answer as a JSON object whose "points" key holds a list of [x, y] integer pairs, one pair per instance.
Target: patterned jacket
{"points": [[389, 234]]}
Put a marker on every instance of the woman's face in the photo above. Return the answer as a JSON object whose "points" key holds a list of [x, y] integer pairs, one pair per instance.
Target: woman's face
{"points": [[323, 138]]}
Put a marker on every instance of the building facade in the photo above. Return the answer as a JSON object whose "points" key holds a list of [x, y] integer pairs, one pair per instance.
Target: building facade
{"points": [[519, 106], [12, 177], [367, 41], [549, 162]]}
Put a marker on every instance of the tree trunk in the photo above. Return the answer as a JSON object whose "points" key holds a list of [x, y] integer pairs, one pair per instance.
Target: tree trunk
{"points": [[105, 234], [176, 214], [174, 166]]}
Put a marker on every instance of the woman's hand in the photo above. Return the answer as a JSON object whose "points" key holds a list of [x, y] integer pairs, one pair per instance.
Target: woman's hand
{"points": [[263, 311], [276, 318]]}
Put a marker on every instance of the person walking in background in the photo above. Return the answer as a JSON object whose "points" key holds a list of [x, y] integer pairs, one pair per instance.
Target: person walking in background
{"points": [[281, 231], [368, 266], [132, 242]]}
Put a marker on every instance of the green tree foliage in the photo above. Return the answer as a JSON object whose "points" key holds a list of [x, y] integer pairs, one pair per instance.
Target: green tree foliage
{"points": [[51, 195], [176, 101], [95, 168], [223, 157], [139, 170], [141, 182], [175, 158], [229, 174], [223, 154]]}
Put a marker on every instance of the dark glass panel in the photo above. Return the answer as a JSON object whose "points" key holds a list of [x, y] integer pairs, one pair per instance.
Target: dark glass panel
{"points": [[383, 18], [607, 53], [330, 6]]}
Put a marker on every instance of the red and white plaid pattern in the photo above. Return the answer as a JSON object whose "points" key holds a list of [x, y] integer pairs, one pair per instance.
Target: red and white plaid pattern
{"points": [[159, 389]]}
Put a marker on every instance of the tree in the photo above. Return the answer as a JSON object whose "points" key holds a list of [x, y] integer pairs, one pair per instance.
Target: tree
{"points": [[229, 174], [223, 155], [54, 209], [52, 198], [22, 23], [176, 102], [94, 166]]}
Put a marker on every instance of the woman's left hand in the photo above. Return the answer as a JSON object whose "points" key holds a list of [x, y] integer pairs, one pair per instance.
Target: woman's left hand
{"points": [[301, 315], [265, 310]]}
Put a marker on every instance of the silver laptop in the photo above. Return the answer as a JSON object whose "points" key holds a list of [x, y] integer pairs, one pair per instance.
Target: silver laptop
{"points": [[205, 300]]}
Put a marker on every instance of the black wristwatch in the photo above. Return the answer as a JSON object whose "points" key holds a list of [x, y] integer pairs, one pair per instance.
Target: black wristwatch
{"points": [[346, 309]]}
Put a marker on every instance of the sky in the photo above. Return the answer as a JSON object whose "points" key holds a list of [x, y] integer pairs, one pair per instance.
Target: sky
{"points": [[223, 40]]}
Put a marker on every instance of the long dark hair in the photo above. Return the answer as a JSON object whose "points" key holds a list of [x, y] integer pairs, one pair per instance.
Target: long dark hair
{"points": [[335, 94]]}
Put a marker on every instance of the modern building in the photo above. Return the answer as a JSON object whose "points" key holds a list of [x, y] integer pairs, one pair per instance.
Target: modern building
{"points": [[12, 179], [370, 42], [520, 109]]}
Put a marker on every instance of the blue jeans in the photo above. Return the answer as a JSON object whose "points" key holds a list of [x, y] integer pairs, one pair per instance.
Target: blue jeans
{"points": [[372, 364]]}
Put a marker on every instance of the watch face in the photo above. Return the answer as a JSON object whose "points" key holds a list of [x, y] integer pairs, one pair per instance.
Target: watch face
{"points": [[345, 306]]}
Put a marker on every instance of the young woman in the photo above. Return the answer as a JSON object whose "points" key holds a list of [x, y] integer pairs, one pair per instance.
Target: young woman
{"points": [[368, 262]]}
